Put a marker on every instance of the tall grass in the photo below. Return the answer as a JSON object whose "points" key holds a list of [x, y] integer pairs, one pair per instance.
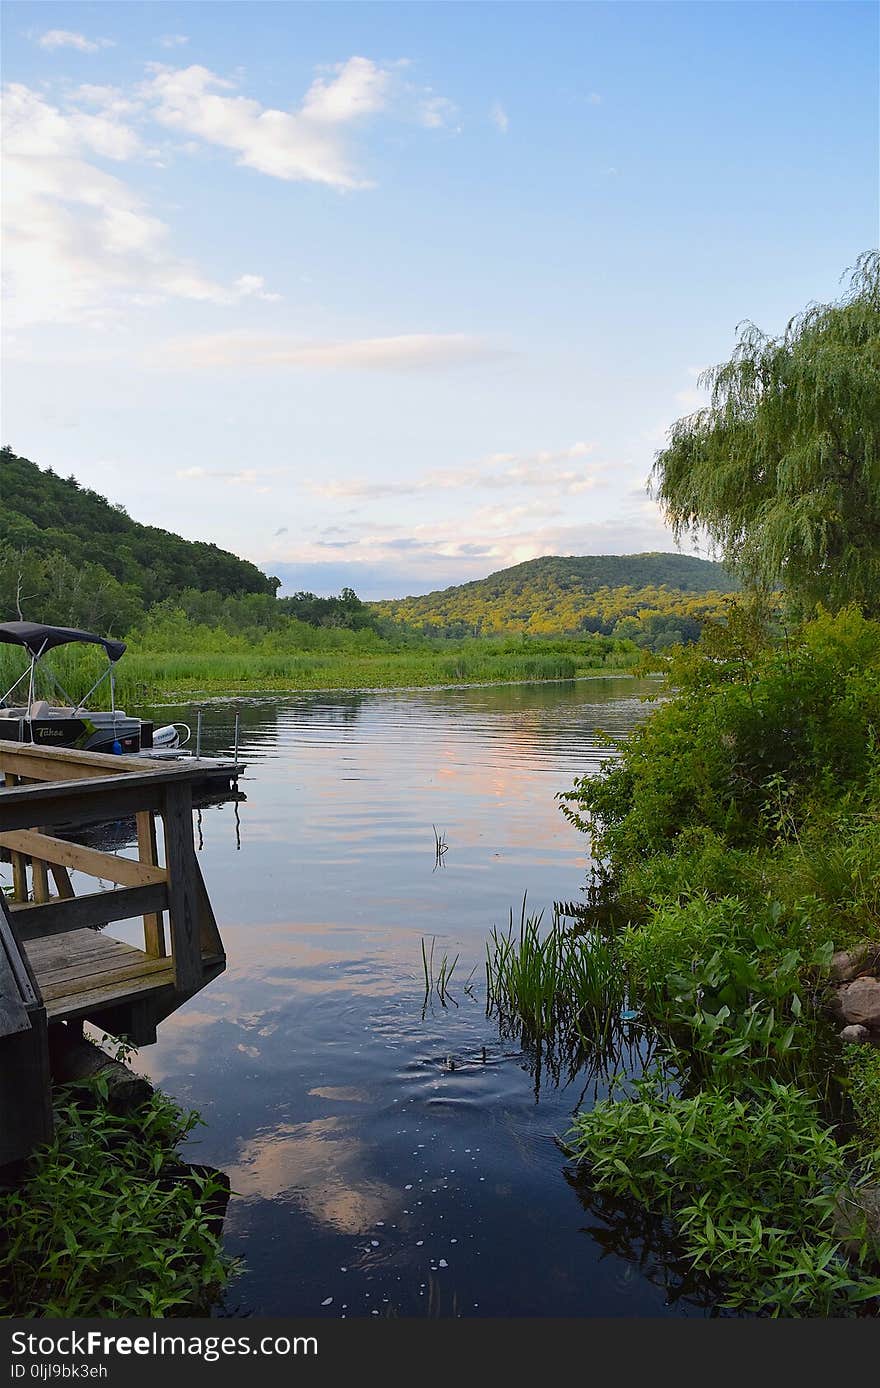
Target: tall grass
{"points": [[553, 980], [340, 660]]}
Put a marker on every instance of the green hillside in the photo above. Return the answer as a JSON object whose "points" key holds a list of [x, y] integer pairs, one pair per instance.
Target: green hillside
{"points": [[76, 557], [563, 596]]}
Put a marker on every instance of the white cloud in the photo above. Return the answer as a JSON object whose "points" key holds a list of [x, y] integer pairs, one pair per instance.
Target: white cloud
{"points": [[436, 112], [66, 38], [79, 243], [359, 88], [111, 100], [452, 552], [564, 471], [254, 286], [173, 40], [413, 351], [257, 478], [307, 145], [499, 118]]}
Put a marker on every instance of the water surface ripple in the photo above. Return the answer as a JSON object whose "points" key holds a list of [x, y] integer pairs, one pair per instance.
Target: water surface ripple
{"points": [[389, 1159]]}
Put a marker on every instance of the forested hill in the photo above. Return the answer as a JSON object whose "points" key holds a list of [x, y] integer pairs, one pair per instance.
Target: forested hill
{"points": [[55, 533], [555, 595]]}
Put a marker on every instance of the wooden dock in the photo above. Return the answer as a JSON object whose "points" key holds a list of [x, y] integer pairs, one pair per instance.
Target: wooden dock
{"points": [[57, 967]]}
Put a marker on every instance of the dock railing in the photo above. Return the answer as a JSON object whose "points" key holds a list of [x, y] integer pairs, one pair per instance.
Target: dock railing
{"points": [[76, 789]]}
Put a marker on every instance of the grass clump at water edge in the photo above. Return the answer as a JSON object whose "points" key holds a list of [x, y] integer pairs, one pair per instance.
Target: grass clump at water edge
{"points": [[553, 980]]}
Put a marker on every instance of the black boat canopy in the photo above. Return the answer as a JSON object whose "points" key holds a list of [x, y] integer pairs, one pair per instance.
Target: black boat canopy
{"points": [[37, 638]]}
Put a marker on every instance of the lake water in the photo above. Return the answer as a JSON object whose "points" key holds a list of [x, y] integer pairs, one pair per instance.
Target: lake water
{"points": [[389, 1158]]}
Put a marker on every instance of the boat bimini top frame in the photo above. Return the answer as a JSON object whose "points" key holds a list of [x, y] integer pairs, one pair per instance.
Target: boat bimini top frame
{"points": [[37, 639]]}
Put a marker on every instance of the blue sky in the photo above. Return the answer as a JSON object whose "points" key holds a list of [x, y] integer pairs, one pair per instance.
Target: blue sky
{"points": [[394, 295]]}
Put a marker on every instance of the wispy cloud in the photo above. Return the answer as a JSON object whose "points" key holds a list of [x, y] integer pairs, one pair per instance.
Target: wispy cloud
{"points": [[499, 118], [261, 479], [67, 38], [308, 144], [80, 244], [436, 112], [566, 471], [406, 352], [385, 561], [173, 40]]}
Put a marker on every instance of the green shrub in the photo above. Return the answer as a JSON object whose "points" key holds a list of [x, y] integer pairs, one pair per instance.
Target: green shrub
{"points": [[748, 746], [107, 1224], [752, 1182]]}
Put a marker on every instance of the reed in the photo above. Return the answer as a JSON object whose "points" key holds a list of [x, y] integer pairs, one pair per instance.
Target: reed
{"points": [[552, 981], [146, 676], [437, 983]]}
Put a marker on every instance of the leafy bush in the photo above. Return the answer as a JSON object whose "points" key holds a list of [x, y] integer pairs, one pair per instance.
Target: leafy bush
{"points": [[754, 740], [753, 1184], [107, 1223]]}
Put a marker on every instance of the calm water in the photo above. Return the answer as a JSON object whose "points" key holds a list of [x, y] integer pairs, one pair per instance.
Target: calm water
{"points": [[386, 1159]]}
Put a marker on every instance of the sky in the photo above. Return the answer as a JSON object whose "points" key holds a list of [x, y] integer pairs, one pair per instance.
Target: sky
{"points": [[395, 295]]}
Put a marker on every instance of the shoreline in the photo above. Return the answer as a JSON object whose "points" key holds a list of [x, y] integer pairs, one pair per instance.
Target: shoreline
{"points": [[187, 695]]}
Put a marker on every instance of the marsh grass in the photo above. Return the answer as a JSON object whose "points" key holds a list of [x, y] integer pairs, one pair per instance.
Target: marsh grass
{"points": [[437, 984], [554, 980], [205, 661]]}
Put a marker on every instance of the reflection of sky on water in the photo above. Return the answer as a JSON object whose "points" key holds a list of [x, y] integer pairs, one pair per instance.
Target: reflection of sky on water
{"points": [[393, 1161]]}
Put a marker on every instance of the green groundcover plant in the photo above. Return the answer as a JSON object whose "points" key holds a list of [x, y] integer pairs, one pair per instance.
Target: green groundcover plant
{"points": [[755, 1184], [108, 1222]]}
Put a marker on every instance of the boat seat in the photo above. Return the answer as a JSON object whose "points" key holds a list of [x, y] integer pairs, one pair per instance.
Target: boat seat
{"points": [[39, 709]]}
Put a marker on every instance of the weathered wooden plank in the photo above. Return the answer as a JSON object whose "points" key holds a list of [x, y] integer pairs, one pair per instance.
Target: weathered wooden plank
{"points": [[209, 934], [100, 799], [19, 878], [154, 926], [87, 963], [80, 802], [94, 1001], [73, 945], [40, 876], [89, 860], [64, 763], [16, 958], [98, 908], [19, 867], [61, 878], [13, 1013], [183, 899], [48, 960], [103, 979]]}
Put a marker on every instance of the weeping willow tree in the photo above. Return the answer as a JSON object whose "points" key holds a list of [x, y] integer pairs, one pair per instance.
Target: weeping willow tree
{"points": [[782, 468]]}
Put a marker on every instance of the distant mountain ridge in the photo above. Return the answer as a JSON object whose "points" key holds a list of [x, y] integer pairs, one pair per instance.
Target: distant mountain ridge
{"points": [[556, 594]]}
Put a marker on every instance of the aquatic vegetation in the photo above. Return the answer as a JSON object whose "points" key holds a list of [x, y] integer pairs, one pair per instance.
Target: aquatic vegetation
{"points": [[441, 847], [553, 980], [181, 657], [108, 1222], [753, 1183], [438, 983]]}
